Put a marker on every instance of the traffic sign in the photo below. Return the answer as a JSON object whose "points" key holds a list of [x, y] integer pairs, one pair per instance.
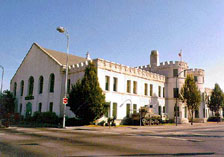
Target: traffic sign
{"points": [[65, 101]]}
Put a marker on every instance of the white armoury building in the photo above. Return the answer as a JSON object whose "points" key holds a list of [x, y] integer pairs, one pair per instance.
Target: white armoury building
{"points": [[38, 84]]}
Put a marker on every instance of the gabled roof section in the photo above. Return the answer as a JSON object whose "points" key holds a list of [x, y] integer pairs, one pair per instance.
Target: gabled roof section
{"points": [[60, 57]]}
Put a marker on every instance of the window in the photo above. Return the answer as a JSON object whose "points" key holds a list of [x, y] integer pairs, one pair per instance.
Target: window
{"points": [[175, 92], [107, 84], [150, 106], [164, 109], [21, 88], [134, 108], [159, 91], [51, 107], [204, 112], [146, 89], [164, 92], [185, 112], [128, 86], [68, 85], [15, 86], [52, 79], [151, 89], [196, 114], [195, 78], [175, 72], [114, 110], [178, 111], [41, 84], [184, 73], [30, 86], [159, 110], [40, 107], [135, 87], [20, 108], [115, 84], [128, 110], [107, 114]]}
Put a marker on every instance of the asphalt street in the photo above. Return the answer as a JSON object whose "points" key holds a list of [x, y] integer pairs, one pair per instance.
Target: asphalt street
{"points": [[182, 140]]}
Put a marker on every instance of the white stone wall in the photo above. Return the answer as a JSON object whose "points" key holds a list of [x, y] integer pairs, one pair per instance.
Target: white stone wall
{"points": [[35, 64], [121, 97]]}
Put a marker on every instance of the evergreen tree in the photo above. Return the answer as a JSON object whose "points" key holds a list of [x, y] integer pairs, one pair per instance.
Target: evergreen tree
{"points": [[7, 103], [191, 95], [86, 98], [216, 101]]}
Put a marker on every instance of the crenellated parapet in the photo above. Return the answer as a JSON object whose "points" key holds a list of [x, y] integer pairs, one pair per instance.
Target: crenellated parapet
{"points": [[136, 72], [165, 65], [197, 72], [77, 67]]}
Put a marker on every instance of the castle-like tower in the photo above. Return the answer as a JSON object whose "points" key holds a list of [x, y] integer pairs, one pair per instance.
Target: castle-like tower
{"points": [[175, 73]]}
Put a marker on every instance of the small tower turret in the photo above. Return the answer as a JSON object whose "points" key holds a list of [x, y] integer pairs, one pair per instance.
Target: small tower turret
{"points": [[154, 58], [88, 56]]}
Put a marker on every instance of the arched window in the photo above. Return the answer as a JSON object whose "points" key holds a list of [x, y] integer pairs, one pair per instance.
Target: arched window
{"points": [[15, 86], [21, 87], [51, 83], [41, 84], [30, 86]]}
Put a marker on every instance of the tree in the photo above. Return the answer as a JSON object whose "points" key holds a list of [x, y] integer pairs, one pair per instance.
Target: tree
{"points": [[86, 98], [7, 103], [217, 100], [191, 95]]}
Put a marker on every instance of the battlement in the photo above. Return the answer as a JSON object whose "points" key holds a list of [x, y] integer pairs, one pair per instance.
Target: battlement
{"points": [[164, 65], [136, 72], [77, 67], [196, 71], [173, 64]]}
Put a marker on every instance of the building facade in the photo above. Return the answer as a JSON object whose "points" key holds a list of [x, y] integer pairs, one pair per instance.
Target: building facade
{"points": [[38, 84]]}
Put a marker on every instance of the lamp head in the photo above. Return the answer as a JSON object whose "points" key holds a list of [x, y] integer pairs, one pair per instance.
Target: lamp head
{"points": [[60, 29]]}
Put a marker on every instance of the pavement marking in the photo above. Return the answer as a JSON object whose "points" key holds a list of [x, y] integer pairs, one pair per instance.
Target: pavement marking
{"points": [[115, 133], [172, 138]]}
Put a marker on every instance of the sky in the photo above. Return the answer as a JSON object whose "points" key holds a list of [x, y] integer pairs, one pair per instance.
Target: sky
{"points": [[121, 31]]}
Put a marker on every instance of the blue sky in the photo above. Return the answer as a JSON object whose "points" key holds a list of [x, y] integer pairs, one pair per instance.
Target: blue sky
{"points": [[122, 31]]}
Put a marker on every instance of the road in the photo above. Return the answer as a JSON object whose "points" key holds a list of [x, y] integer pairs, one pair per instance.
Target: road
{"points": [[182, 140]]}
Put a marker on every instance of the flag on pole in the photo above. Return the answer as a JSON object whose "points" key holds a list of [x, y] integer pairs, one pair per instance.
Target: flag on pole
{"points": [[180, 55]]}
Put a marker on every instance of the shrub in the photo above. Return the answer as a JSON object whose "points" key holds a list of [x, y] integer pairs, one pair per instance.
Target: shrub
{"points": [[213, 119], [74, 122]]}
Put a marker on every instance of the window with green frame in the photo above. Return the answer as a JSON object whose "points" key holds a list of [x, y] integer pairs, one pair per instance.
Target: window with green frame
{"points": [[52, 79], [128, 109], [151, 89], [134, 108], [107, 113], [30, 86], [40, 107], [128, 86], [41, 84], [51, 107], [114, 110], [146, 89], [159, 91], [21, 87], [107, 83], [15, 88]]}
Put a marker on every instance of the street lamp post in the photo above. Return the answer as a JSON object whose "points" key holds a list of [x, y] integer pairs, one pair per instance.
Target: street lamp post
{"points": [[2, 77], [177, 76], [64, 31]]}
